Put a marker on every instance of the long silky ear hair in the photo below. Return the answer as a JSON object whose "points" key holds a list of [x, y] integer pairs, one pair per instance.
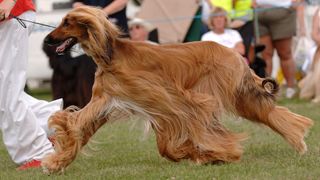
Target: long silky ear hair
{"points": [[101, 33]]}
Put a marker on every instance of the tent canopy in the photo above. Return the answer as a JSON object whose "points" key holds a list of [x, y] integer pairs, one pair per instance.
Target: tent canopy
{"points": [[172, 18]]}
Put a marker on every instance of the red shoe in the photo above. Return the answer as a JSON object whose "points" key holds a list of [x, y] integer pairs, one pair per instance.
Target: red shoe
{"points": [[31, 164]]}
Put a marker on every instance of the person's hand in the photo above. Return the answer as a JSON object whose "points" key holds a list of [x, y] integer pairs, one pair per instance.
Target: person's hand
{"points": [[236, 24], [5, 8], [296, 1], [77, 4]]}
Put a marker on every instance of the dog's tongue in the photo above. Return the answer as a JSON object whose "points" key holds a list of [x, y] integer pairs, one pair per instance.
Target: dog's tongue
{"points": [[63, 46]]}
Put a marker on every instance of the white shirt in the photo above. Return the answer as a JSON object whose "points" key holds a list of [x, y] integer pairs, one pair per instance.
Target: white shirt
{"points": [[276, 3], [229, 38]]}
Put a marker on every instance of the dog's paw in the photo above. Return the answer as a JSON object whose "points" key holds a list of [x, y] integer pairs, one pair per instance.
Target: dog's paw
{"points": [[51, 164], [301, 147]]}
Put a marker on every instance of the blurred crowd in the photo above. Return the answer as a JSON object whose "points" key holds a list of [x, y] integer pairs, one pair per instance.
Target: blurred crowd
{"points": [[264, 32], [259, 29]]}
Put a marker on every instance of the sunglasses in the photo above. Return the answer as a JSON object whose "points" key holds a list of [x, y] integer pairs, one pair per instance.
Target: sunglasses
{"points": [[135, 27]]}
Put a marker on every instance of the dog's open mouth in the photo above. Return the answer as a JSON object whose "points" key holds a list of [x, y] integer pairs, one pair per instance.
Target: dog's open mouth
{"points": [[66, 45]]}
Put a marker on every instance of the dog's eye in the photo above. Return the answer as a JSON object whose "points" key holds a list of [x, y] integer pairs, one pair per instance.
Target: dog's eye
{"points": [[66, 23]]}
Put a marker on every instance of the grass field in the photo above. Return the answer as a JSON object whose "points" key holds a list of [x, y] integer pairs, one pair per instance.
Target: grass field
{"points": [[122, 152]]}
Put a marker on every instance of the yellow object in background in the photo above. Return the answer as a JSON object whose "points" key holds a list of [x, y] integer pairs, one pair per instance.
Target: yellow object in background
{"points": [[243, 10], [281, 80], [225, 4]]}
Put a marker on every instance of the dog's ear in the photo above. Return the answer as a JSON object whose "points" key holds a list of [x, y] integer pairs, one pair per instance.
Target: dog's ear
{"points": [[102, 35]]}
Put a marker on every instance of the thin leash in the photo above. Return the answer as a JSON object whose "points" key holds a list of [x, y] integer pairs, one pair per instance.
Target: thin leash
{"points": [[23, 24]]}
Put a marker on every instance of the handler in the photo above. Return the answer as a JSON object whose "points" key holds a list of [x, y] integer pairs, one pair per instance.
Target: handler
{"points": [[23, 119]]}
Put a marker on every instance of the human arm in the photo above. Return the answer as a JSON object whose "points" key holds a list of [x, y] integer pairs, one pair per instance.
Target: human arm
{"points": [[77, 4], [5, 8], [115, 6], [112, 8], [300, 8], [315, 34], [239, 47]]}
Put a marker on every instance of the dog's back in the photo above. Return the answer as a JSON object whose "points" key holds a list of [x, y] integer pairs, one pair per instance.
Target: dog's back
{"points": [[205, 67]]}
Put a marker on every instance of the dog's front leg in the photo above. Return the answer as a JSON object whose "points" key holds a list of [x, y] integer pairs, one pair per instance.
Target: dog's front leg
{"points": [[73, 129]]}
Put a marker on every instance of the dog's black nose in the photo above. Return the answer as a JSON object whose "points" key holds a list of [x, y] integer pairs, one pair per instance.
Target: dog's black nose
{"points": [[49, 40]]}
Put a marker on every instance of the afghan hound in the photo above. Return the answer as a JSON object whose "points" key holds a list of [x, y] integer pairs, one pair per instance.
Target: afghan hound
{"points": [[181, 89]]}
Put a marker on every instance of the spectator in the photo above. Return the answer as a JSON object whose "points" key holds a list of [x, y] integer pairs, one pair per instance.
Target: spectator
{"points": [[139, 30], [240, 11], [309, 85], [218, 21], [114, 9], [23, 119], [277, 26], [207, 6]]}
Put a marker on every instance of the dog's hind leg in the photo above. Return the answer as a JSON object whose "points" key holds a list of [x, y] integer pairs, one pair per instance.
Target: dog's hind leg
{"points": [[216, 145], [257, 104], [198, 135], [73, 130], [220, 145]]}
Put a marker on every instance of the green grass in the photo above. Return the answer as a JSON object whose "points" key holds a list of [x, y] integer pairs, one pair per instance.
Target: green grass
{"points": [[41, 93], [122, 153]]}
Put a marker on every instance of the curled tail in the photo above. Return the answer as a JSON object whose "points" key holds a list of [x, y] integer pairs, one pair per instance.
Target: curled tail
{"points": [[270, 85], [256, 92]]}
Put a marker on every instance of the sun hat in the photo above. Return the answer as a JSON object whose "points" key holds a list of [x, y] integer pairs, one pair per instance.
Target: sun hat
{"points": [[137, 21]]}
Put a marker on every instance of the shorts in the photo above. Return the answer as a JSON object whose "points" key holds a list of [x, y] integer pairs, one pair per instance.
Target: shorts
{"points": [[279, 23]]}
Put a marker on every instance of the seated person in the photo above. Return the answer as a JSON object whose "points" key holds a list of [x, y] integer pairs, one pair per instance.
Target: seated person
{"points": [[218, 21], [139, 30]]}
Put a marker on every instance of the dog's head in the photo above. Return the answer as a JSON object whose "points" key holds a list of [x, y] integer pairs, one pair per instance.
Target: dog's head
{"points": [[87, 26]]}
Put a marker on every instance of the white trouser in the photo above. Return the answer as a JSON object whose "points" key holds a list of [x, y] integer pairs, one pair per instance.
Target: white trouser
{"points": [[23, 119]]}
